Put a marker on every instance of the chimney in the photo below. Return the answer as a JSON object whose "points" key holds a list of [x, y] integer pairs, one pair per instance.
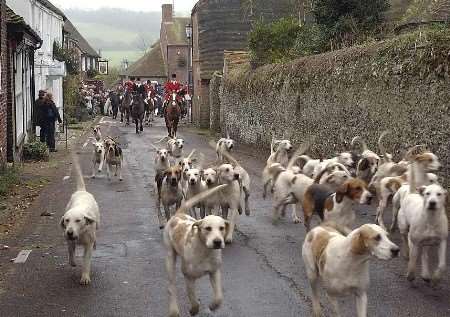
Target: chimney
{"points": [[167, 13]]}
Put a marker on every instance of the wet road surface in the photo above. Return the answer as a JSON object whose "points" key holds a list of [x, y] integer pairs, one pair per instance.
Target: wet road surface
{"points": [[263, 273]]}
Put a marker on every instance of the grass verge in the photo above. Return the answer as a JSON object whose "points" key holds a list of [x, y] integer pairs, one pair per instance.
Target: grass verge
{"points": [[8, 178]]}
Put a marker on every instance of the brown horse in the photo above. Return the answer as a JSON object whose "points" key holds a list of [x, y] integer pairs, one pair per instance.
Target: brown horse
{"points": [[149, 111], [125, 107], [172, 115]]}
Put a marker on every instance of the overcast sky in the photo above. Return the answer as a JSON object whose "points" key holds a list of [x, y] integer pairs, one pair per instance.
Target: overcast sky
{"points": [[135, 5]]}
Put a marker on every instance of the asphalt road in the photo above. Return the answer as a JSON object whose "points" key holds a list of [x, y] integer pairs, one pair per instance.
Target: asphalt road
{"points": [[263, 273]]}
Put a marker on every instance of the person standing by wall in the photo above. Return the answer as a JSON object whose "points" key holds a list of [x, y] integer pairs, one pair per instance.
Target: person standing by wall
{"points": [[49, 116], [38, 105]]}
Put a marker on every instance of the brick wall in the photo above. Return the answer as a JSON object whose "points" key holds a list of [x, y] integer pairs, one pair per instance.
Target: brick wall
{"points": [[3, 87], [177, 53]]}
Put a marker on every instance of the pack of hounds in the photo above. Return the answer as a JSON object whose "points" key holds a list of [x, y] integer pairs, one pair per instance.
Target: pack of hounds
{"points": [[202, 203]]}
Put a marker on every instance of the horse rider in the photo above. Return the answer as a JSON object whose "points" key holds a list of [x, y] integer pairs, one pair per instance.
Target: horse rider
{"points": [[129, 85], [172, 86]]}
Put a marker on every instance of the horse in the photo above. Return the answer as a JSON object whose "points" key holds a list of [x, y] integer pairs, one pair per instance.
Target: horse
{"points": [[125, 107], [149, 111], [138, 111], [172, 114], [115, 102]]}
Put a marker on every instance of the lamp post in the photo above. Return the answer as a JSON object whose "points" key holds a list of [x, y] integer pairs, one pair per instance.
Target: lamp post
{"points": [[189, 63]]}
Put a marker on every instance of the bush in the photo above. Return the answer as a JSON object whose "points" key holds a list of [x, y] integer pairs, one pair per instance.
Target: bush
{"points": [[69, 56], [348, 20], [72, 98], [312, 39], [91, 73], [8, 178], [271, 43], [35, 151]]}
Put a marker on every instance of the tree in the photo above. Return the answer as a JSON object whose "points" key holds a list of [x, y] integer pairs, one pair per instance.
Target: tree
{"points": [[347, 19], [273, 42]]}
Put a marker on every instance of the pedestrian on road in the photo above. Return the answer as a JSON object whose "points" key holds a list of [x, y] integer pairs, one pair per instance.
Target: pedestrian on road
{"points": [[38, 106], [49, 116]]}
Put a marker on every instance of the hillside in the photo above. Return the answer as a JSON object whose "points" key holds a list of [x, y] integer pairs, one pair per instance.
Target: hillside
{"points": [[119, 34]]}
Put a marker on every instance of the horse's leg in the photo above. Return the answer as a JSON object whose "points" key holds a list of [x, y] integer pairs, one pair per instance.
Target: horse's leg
{"points": [[142, 124], [136, 121], [121, 115]]}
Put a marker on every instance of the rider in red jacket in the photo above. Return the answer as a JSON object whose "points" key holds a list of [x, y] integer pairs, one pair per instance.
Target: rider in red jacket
{"points": [[171, 87], [129, 85]]}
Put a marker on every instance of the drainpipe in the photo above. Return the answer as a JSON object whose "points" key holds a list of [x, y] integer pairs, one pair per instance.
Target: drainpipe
{"points": [[33, 85]]}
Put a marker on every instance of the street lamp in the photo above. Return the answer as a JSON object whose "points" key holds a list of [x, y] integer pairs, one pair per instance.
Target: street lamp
{"points": [[188, 31]]}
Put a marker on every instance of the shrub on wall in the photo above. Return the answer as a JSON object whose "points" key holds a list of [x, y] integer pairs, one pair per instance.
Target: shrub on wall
{"points": [[271, 43], [346, 21], [68, 56]]}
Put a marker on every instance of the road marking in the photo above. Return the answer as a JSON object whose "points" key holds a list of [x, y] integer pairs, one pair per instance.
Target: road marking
{"points": [[66, 178], [85, 144], [22, 256]]}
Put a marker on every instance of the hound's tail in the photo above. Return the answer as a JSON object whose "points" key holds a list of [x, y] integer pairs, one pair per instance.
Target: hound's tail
{"points": [[359, 140], [198, 198], [299, 153], [81, 186], [381, 146], [163, 139]]}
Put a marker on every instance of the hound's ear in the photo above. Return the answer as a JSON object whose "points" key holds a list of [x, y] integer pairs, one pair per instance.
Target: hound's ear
{"points": [[363, 164], [158, 152], [329, 179], [61, 223], [341, 192], [180, 163], [89, 221], [358, 244], [421, 190], [197, 224]]}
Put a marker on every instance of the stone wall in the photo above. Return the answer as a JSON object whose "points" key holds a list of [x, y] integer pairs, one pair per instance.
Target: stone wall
{"points": [[401, 84], [214, 102]]}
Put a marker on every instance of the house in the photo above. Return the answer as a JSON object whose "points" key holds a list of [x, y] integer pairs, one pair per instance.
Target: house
{"points": [[47, 21], [175, 44], [3, 83], [149, 67], [22, 41], [87, 56], [218, 26]]}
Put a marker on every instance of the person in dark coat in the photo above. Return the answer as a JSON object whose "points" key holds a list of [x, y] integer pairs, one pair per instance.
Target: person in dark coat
{"points": [[38, 105], [49, 116]]}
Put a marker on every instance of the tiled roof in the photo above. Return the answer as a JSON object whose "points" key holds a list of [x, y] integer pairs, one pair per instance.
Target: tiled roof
{"points": [[149, 65], [176, 31], [15, 19], [84, 45], [52, 7]]}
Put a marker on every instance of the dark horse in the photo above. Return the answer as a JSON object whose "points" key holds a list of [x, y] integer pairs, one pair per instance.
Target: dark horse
{"points": [[125, 107], [138, 111], [172, 114], [115, 102]]}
